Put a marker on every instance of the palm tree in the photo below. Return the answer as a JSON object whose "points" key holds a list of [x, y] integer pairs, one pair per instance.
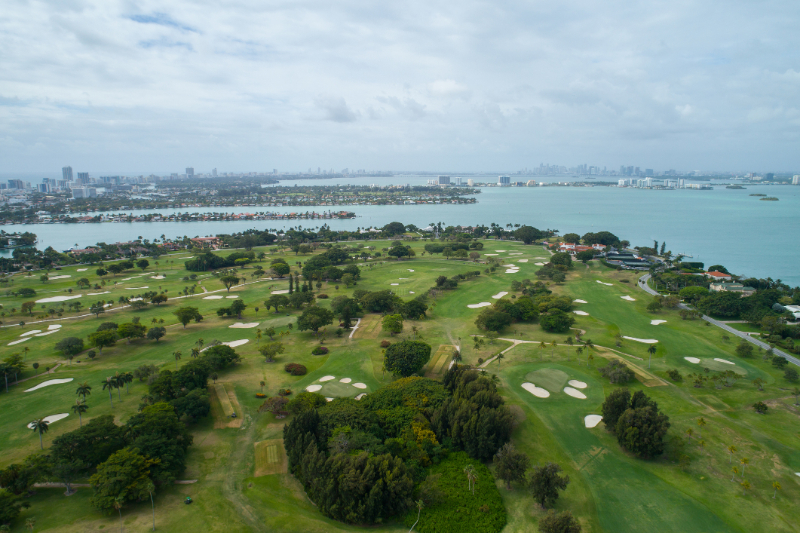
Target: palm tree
{"points": [[118, 501], [177, 355], [472, 477], [214, 377], [30, 522], [542, 346], [195, 352], [126, 378], [118, 382], [151, 489], [500, 358], [553, 349], [701, 423], [745, 487], [420, 505], [262, 383], [796, 393], [651, 350], [689, 433], [590, 358], [199, 343], [79, 408], [107, 385], [84, 389], [777, 487], [258, 336], [744, 462], [41, 426], [735, 471], [731, 450]]}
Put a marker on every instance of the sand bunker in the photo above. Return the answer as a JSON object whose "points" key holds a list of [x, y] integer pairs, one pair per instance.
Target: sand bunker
{"points": [[539, 264], [50, 419], [724, 361], [646, 341], [46, 333], [82, 269], [326, 378], [57, 299], [136, 288], [575, 393], [19, 341], [60, 277], [98, 293], [601, 283], [364, 394], [536, 391], [500, 251], [515, 253], [232, 297], [522, 261], [135, 299], [476, 306], [234, 344], [410, 292], [410, 270], [214, 297], [580, 301], [313, 388], [54, 326], [345, 380], [394, 284], [158, 277], [329, 399], [512, 271], [512, 265], [31, 332], [694, 360], [48, 383], [359, 385], [285, 291], [491, 254], [582, 313], [499, 295], [577, 384], [657, 322], [628, 298], [591, 421], [240, 325]]}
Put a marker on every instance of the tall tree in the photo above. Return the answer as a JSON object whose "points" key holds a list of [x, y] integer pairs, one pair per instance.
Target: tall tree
{"points": [[546, 482], [79, 408], [510, 465]]}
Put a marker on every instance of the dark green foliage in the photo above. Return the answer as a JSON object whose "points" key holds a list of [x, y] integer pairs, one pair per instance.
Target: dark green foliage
{"points": [[156, 333], [193, 406], [157, 433], [319, 350], [744, 349], [556, 321], [780, 362], [108, 326], [295, 369], [722, 304], [528, 234], [614, 405], [394, 228], [601, 237], [545, 483], [379, 301], [187, 314], [346, 412], [305, 401], [562, 522], [491, 319], [561, 259], [455, 509], [761, 408], [641, 428], [674, 375], [510, 465], [70, 346], [19, 478], [414, 309], [693, 294], [314, 318], [91, 444], [125, 475], [521, 309], [10, 506], [407, 357], [791, 375], [420, 394], [616, 371], [221, 356], [209, 261]]}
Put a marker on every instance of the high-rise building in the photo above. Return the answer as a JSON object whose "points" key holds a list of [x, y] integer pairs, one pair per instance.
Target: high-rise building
{"points": [[83, 178], [457, 181], [444, 180], [66, 173], [504, 180], [796, 179], [189, 172], [214, 172], [471, 182], [16, 184]]}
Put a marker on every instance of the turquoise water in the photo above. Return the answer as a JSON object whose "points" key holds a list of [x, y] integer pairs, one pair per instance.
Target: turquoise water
{"points": [[722, 226]]}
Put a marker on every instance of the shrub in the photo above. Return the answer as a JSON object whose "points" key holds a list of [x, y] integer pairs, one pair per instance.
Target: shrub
{"points": [[322, 296], [295, 369], [385, 344], [284, 392], [674, 375], [319, 350], [260, 395], [760, 407], [617, 372]]}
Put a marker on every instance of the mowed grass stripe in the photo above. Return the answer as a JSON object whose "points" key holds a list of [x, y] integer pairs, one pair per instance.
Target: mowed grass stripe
{"points": [[270, 458], [224, 400], [439, 360]]}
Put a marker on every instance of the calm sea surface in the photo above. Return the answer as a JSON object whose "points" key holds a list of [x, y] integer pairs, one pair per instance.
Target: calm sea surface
{"points": [[722, 226]]}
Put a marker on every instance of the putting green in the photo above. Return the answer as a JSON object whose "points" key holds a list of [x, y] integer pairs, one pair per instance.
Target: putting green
{"points": [[550, 379]]}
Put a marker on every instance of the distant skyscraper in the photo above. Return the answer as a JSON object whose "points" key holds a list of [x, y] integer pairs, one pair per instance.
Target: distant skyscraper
{"points": [[796, 179], [83, 177], [214, 172], [471, 182], [190, 172], [16, 184], [66, 173], [444, 180], [504, 180]]}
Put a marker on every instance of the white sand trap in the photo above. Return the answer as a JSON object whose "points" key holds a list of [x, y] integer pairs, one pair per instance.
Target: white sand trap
{"points": [[54, 326], [234, 344], [516, 253], [476, 306], [57, 299], [213, 297], [285, 291], [410, 292], [657, 322], [50, 419], [410, 270], [591, 421], [48, 383], [326, 378], [46, 333], [313, 388], [364, 394], [232, 297], [98, 293], [539, 264], [536, 391], [135, 299], [240, 325], [694, 360], [491, 254], [82, 269], [512, 265], [499, 295], [136, 288], [126, 279], [501, 251], [724, 361], [512, 271], [19, 341], [345, 380], [580, 301], [158, 277], [522, 261], [626, 297], [403, 278], [646, 341], [601, 283], [359, 385], [31, 332], [797, 474], [582, 313], [394, 284], [577, 384], [60, 277], [575, 393], [329, 399]]}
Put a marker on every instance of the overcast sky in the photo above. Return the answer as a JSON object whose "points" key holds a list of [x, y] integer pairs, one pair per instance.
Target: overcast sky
{"points": [[156, 86]]}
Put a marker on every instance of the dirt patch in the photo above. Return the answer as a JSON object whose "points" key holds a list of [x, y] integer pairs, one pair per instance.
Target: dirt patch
{"points": [[369, 327], [439, 361], [223, 404], [270, 458]]}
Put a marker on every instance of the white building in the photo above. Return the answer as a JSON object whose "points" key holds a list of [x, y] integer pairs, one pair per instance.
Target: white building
{"points": [[796, 179]]}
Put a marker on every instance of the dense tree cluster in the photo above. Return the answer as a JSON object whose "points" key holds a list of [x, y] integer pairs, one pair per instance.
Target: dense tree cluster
{"points": [[210, 261], [638, 424]]}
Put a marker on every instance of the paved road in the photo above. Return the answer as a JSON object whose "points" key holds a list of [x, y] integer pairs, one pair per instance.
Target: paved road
{"points": [[792, 359]]}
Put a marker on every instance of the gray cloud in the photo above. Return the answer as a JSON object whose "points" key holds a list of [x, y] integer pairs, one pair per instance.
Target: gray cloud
{"points": [[124, 85]]}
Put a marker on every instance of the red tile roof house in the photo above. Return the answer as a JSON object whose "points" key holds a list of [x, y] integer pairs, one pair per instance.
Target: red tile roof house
{"points": [[212, 242], [573, 249], [717, 275]]}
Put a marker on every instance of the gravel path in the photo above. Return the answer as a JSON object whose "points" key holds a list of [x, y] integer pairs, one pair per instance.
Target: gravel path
{"points": [[742, 335]]}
